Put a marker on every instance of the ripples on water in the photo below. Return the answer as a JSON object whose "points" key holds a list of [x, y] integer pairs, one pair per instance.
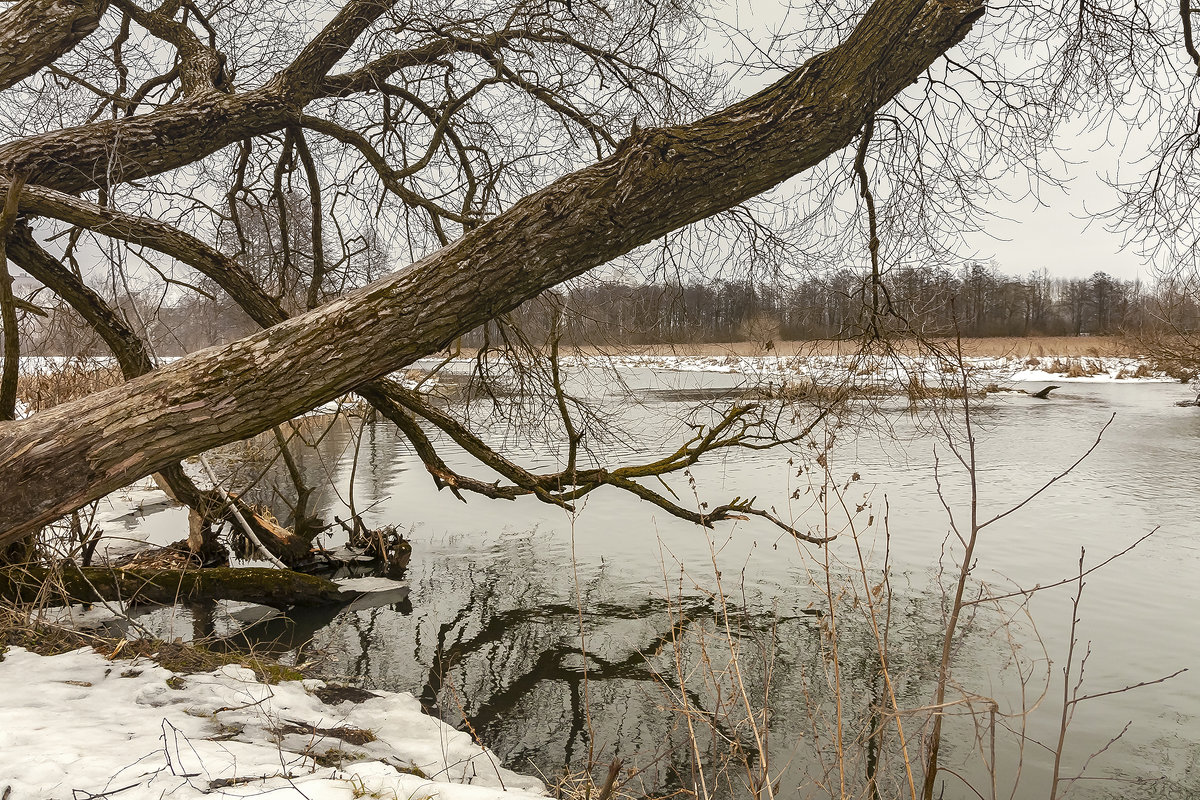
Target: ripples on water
{"points": [[500, 591]]}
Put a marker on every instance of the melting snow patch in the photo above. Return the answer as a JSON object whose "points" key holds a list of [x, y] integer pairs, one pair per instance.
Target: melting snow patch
{"points": [[370, 584], [79, 725]]}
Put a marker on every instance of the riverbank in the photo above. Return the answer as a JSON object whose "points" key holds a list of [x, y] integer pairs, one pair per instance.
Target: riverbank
{"points": [[894, 371], [986, 347], [85, 725], [996, 360]]}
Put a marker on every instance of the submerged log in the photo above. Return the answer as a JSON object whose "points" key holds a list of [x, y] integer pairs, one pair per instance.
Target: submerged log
{"points": [[72, 584]]}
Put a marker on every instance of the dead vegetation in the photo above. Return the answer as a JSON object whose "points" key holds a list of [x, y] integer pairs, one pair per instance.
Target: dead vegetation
{"points": [[1073, 367], [27, 627], [983, 347], [56, 381]]}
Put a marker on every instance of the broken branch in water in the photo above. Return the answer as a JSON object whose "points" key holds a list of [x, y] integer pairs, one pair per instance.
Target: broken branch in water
{"points": [[742, 426]]}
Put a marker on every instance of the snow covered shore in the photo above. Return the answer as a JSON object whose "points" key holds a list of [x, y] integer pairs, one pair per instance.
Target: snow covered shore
{"points": [[79, 725], [1011, 368], [897, 369]]}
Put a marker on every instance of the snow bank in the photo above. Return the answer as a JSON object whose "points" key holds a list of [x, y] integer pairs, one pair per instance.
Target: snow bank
{"points": [[892, 370], [79, 725]]}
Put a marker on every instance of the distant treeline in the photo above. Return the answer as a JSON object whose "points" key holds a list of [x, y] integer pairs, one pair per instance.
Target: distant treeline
{"points": [[974, 300]]}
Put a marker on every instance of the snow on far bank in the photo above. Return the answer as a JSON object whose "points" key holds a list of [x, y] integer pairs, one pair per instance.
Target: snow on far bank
{"points": [[81, 725], [895, 369]]}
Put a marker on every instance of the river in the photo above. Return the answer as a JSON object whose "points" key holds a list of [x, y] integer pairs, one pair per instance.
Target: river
{"points": [[559, 638]]}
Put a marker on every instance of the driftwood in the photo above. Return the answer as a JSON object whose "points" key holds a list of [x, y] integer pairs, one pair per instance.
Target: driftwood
{"points": [[269, 587], [1044, 394], [281, 543]]}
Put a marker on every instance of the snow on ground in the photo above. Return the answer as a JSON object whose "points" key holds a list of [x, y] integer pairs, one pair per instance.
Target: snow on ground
{"points": [[1011, 368], [79, 725], [897, 369]]}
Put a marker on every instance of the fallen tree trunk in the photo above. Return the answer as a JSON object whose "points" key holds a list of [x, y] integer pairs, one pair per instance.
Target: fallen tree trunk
{"points": [[71, 584], [656, 181]]}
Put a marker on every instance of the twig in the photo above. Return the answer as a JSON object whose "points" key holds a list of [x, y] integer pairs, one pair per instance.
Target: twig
{"points": [[250, 534], [610, 782], [1064, 581], [1130, 687], [1053, 480]]}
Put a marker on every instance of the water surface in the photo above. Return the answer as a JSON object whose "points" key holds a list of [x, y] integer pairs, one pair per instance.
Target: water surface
{"points": [[553, 635]]}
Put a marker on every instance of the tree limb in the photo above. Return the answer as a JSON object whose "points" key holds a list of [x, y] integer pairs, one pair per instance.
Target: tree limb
{"points": [[658, 180], [34, 33], [8, 308]]}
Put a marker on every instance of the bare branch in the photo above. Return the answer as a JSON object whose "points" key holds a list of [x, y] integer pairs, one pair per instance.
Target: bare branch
{"points": [[8, 308], [34, 33]]}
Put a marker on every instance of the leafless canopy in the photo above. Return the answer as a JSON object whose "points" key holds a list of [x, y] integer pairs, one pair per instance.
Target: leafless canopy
{"points": [[279, 157]]}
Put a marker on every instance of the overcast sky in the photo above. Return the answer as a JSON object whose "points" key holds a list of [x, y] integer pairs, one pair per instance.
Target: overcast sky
{"points": [[1057, 230], [1059, 233], [1061, 229]]}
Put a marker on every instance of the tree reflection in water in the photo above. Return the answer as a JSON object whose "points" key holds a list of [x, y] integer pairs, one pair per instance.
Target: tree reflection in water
{"points": [[490, 642]]}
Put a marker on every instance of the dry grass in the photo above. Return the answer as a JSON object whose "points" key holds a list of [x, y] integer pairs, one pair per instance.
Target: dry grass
{"points": [[21, 626], [19, 629], [1075, 367], [993, 347], [191, 657], [62, 382]]}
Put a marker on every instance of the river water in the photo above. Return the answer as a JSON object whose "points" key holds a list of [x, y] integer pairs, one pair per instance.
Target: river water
{"points": [[570, 638]]}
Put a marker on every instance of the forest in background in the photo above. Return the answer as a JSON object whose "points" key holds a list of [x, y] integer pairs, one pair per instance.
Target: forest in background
{"points": [[976, 300]]}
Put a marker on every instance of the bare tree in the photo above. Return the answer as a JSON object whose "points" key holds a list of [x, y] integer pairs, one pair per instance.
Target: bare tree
{"points": [[655, 180], [250, 161]]}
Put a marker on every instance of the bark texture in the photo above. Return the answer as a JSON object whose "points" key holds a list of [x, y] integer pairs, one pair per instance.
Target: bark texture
{"points": [[34, 33], [656, 181]]}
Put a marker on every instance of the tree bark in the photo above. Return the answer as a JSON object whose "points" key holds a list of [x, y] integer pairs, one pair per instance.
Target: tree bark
{"points": [[8, 310], [34, 33], [656, 181]]}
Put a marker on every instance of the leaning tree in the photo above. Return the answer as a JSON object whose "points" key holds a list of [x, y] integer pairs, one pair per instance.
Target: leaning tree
{"points": [[186, 102], [272, 155]]}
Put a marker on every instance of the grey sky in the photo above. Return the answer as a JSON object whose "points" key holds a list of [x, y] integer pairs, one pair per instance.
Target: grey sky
{"points": [[1058, 230], [1060, 233]]}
